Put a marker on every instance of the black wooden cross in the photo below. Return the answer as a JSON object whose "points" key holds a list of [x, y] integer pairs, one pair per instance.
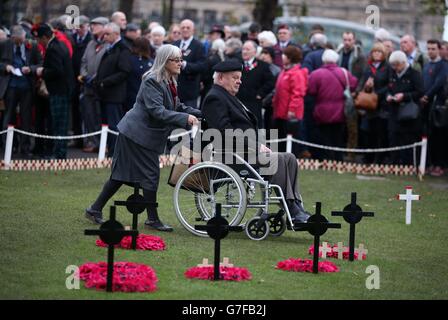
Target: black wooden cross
{"points": [[218, 228], [135, 204], [352, 214], [316, 225], [111, 232]]}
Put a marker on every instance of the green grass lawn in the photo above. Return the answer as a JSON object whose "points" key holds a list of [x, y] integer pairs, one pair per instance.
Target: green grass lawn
{"points": [[42, 225]]}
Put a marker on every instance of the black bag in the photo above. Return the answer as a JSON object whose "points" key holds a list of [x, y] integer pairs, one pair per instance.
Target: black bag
{"points": [[439, 115], [408, 111]]}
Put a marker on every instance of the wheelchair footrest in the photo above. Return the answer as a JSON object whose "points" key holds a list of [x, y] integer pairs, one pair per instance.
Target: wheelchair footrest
{"points": [[298, 229]]}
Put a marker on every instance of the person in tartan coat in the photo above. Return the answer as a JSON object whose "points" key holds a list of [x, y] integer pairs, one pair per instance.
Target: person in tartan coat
{"points": [[57, 73]]}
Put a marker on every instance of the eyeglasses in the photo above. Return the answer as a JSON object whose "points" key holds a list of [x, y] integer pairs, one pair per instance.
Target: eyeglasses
{"points": [[176, 32], [177, 60]]}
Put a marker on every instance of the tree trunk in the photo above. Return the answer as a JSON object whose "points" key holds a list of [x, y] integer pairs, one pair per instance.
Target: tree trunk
{"points": [[126, 6], [265, 12], [167, 13]]}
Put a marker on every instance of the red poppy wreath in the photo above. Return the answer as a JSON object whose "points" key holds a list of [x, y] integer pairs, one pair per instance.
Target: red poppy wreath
{"points": [[227, 273], [144, 242], [128, 276], [306, 265]]}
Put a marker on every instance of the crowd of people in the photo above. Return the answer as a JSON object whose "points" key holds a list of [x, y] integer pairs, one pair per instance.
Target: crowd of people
{"points": [[56, 81]]}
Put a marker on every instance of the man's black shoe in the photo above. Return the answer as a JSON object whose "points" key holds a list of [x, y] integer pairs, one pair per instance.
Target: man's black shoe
{"points": [[158, 225], [94, 216], [298, 213]]}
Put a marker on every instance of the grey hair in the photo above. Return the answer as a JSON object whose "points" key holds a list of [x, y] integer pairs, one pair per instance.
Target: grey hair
{"points": [[114, 27], [234, 44], [17, 31], [218, 46], [165, 52], [254, 44], [269, 36], [330, 56], [319, 39], [398, 57], [158, 30], [382, 35], [215, 77], [411, 37]]}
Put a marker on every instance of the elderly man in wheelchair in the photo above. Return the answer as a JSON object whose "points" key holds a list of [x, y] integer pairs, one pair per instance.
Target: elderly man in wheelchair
{"points": [[246, 176]]}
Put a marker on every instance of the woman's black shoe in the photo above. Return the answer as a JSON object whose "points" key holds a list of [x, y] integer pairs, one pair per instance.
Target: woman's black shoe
{"points": [[158, 225], [94, 216]]}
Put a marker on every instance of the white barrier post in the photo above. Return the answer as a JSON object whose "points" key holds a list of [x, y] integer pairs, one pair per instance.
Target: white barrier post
{"points": [[289, 143], [8, 147], [103, 143], [423, 152]]}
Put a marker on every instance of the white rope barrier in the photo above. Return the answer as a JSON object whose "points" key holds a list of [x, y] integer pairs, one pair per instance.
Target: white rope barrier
{"points": [[289, 140], [79, 136], [86, 135], [414, 145], [103, 140]]}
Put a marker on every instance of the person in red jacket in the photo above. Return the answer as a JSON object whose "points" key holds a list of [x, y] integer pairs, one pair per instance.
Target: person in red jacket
{"points": [[290, 90]]}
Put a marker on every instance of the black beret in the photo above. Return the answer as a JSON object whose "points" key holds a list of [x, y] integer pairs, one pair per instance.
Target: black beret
{"points": [[228, 66]]}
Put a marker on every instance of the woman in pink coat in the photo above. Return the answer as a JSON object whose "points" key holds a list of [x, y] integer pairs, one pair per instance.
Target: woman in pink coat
{"points": [[290, 90], [327, 85]]}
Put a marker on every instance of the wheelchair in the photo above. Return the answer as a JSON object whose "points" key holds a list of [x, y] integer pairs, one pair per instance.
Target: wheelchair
{"points": [[238, 188]]}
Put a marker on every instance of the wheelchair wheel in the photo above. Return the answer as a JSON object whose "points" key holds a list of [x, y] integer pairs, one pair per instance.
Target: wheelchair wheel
{"points": [[201, 187], [257, 230], [277, 225]]}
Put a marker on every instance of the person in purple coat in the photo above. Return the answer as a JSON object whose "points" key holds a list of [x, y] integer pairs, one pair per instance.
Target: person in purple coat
{"points": [[327, 85]]}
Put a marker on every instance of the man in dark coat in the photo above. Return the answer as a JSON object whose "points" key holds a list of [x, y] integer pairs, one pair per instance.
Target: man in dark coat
{"points": [[111, 78], [313, 59], [435, 74], [193, 66], [257, 79], [284, 35], [80, 39], [224, 111], [18, 53], [57, 72]]}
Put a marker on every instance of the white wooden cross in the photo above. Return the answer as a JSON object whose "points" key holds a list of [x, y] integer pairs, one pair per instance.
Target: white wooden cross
{"points": [[340, 250], [361, 250], [408, 197], [204, 263], [324, 249], [225, 263]]}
